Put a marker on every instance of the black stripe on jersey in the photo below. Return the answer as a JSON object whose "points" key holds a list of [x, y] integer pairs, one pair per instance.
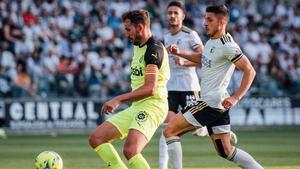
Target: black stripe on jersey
{"points": [[236, 58], [222, 40], [228, 39], [154, 53], [186, 29], [225, 39]]}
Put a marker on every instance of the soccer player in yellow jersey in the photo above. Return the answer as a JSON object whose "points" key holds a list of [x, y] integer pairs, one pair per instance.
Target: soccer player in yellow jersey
{"points": [[149, 76]]}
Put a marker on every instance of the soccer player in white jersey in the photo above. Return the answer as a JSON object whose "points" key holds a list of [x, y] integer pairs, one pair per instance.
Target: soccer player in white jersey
{"points": [[183, 85], [218, 60]]}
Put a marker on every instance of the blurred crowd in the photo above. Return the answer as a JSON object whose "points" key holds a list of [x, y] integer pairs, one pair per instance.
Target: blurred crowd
{"points": [[76, 48]]}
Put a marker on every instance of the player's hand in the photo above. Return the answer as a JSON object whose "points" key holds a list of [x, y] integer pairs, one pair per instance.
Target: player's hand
{"points": [[110, 106], [173, 49], [229, 102]]}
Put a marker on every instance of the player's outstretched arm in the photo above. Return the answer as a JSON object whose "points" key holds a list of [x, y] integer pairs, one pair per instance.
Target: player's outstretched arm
{"points": [[193, 57], [197, 51]]}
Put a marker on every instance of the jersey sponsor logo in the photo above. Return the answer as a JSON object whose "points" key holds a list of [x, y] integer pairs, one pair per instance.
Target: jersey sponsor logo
{"points": [[137, 71], [206, 62]]}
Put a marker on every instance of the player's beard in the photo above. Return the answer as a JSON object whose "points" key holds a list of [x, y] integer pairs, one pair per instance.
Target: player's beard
{"points": [[212, 33], [174, 26], [137, 39], [173, 23]]}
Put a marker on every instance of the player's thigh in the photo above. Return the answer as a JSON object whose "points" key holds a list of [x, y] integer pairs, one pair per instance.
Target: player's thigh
{"points": [[177, 126], [147, 118], [106, 132], [122, 121], [170, 115]]}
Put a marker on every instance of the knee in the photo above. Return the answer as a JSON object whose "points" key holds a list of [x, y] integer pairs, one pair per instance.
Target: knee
{"points": [[95, 140], [168, 132], [130, 151]]}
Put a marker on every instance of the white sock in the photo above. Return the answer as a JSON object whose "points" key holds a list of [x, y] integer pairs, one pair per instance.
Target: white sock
{"points": [[175, 152], [163, 151], [245, 160]]}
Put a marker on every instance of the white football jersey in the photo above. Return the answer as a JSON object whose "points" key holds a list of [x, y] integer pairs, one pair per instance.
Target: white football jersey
{"points": [[218, 66], [183, 78]]}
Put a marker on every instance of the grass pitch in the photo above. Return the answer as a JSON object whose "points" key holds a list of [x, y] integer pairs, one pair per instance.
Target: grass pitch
{"points": [[274, 148]]}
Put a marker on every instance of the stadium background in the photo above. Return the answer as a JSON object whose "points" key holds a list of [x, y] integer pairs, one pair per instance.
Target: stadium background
{"points": [[60, 59]]}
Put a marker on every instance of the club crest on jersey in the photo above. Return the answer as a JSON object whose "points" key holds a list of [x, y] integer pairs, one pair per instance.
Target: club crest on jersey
{"points": [[137, 71], [178, 42], [141, 116], [212, 49]]}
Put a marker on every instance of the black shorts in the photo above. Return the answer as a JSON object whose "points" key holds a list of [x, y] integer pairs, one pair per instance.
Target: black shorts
{"points": [[200, 114], [179, 99]]}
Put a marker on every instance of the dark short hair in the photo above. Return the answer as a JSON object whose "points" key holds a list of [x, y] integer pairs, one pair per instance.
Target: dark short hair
{"points": [[219, 10], [178, 4], [137, 16]]}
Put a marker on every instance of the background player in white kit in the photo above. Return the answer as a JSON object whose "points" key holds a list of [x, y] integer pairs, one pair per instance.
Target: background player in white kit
{"points": [[183, 86], [219, 58]]}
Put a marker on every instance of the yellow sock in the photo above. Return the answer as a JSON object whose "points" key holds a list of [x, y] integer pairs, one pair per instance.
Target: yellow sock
{"points": [[138, 162], [108, 154]]}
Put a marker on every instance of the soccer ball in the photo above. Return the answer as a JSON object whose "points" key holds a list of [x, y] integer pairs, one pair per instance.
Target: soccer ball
{"points": [[233, 138], [48, 160], [200, 131]]}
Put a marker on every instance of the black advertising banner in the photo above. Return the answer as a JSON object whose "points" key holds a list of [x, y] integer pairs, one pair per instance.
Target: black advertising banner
{"points": [[51, 114], [31, 114]]}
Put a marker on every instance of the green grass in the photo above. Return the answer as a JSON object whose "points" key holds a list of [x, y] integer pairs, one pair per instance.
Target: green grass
{"points": [[274, 148]]}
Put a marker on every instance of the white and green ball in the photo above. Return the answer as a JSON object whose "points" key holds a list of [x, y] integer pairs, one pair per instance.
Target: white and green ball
{"points": [[48, 160]]}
